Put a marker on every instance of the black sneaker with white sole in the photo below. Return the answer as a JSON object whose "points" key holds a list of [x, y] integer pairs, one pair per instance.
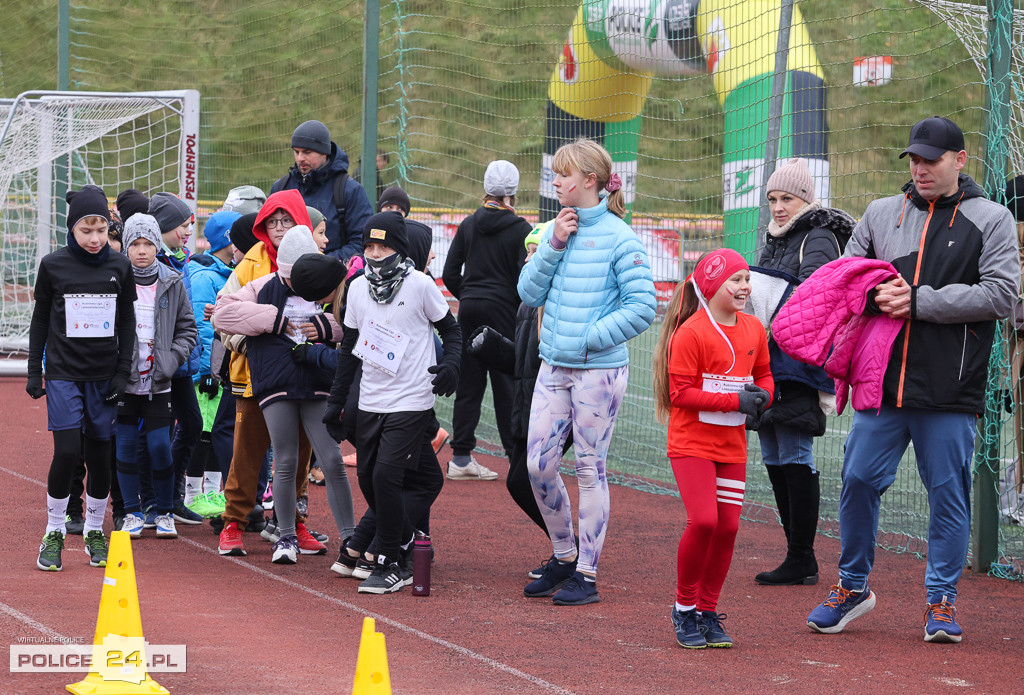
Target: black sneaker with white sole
{"points": [[385, 579]]}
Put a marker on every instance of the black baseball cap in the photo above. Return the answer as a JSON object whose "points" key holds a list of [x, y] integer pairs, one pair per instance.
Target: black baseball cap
{"points": [[933, 137]]}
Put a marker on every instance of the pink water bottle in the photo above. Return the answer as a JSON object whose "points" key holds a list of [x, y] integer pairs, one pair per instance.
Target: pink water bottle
{"points": [[421, 565]]}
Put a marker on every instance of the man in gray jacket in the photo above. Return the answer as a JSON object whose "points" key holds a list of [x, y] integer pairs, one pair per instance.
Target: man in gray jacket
{"points": [[956, 254]]}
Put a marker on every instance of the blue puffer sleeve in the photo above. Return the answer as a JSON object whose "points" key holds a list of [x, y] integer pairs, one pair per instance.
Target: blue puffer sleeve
{"points": [[637, 298]]}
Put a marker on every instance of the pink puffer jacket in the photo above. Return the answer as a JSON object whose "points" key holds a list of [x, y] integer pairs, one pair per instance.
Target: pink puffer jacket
{"points": [[823, 323]]}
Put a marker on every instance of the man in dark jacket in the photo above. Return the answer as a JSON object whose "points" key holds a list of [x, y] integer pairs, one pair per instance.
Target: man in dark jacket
{"points": [[956, 254], [482, 272], [318, 163]]}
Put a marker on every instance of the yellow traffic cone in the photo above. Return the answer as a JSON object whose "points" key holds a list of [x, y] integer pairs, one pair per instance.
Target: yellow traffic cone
{"points": [[372, 676], [119, 649]]}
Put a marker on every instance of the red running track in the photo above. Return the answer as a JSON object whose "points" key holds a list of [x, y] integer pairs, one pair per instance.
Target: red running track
{"points": [[254, 627]]}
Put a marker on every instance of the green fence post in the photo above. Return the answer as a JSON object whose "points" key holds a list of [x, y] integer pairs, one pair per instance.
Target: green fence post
{"points": [[997, 123], [371, 56]]}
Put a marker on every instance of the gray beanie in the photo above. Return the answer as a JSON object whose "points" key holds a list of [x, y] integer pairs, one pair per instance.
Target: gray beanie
{"points": [[244, 199], [312, 135], [794, 178], [315, 216], [169, 210], [501, 178], [140, 226], [296, 242]]}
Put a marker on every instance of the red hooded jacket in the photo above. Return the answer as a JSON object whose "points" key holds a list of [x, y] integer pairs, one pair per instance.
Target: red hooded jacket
{"points": [[291, 202]]}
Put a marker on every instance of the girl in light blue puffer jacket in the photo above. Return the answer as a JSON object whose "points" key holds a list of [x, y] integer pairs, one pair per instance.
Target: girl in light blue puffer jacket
{"points": [[592, 277]]}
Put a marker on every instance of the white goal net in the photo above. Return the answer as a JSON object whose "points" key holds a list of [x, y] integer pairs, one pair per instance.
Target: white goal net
{"points": [[51, 142]]}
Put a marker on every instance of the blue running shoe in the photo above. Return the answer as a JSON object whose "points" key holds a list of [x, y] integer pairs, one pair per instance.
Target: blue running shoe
{"points": [[940, 623], [688, 632], [710, 624], [555, 574], [149, 518], [578, 591], [841, 606]]}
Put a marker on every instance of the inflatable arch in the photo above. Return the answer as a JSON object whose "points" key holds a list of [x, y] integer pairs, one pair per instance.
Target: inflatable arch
{"points": [[615, 49]]}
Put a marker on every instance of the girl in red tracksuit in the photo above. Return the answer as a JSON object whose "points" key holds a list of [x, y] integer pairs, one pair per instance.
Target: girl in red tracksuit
{"points": [[711, 377]]}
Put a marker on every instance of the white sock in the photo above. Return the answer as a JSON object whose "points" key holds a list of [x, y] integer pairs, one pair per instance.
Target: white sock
{"points": [[95, 510], [211, 481], [682, 609], [193, 488], [56, 511]]}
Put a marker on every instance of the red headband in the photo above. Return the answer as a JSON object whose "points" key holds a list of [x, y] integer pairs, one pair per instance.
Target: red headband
{"points": [[715, 268]]}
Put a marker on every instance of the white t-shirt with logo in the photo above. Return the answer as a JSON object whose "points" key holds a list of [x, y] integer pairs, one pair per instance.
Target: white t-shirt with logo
{"points": [[396, 343], [145, 332]]}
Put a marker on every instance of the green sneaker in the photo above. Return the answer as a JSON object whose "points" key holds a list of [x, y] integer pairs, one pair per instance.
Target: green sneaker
{"points": [[206, 506], [49, 552], [96, 548]]}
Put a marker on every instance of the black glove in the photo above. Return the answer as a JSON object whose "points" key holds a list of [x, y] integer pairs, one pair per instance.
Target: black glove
{"points": [[115, 388], [34, 387], [333, 418], [446, 379], [753, 400], [480, 339], [299, 353], [208, 385], [752, 423]]}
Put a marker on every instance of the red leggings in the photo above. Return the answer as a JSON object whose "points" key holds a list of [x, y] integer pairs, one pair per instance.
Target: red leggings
{"points": [[713, 496]]}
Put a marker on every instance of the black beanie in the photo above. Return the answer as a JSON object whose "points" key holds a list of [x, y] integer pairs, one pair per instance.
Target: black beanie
{"points": [[387, 228], [131, 201], [170, 211], [314, 276], [241, 232], [1015, 197], [312, 135], [89, 201], [395, 196]]}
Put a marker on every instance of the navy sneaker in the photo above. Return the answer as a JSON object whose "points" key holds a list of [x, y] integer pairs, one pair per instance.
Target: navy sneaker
{"points": [[555, 574], [578, 591], [184, 515], [940, 623], [841, 606], [149, 517], [536, 574], [710, 624], [688, 632]]}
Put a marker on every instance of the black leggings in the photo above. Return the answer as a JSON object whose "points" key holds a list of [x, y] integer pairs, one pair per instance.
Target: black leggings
{"points": [[70, 447]]}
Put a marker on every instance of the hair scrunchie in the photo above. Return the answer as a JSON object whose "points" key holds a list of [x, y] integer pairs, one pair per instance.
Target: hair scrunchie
{"points": [[614, 183]]}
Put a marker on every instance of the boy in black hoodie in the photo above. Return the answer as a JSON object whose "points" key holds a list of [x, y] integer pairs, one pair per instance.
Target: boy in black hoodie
{"points": [[84, 318], [482, 271]]}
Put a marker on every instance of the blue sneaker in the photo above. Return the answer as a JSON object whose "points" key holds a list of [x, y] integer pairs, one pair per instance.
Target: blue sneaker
{"points": [[940, 623], [841, 606], [149, 517], [555, 574], [688, 632], [710, 624], [184, 515], [578, 591]]}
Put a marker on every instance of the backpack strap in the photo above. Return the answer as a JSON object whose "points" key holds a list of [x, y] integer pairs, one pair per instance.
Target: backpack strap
{"points": [[339, 197], [279, 184], [800, 259]]}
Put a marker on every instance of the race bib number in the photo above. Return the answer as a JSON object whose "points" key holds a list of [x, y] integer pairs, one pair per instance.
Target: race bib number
{"points": [[299, 311], [715, 383], [89, 315], [381, 347]]}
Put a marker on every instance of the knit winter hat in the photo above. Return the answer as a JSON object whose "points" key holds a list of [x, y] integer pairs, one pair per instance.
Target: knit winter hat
{"points": [[314, 276], [715, 268], [218, 227], [794, 178], [312, 135], [394, 195], [169, 210], [141, 226], [88, 202], [241, 232], [245, 199], [501, 178], [315, 217], [387, 228], [129, 202], [297, 241]]}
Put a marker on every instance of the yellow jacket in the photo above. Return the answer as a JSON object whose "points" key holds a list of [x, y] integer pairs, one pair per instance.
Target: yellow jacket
{"points": [[255, 264]]}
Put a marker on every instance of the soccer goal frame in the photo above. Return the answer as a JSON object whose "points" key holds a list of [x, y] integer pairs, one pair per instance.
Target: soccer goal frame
{"points": [[53, 141]]}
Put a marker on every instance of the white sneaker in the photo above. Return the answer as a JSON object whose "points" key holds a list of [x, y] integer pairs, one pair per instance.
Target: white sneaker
{"points": [[165, 526], [471, 471], [133, 524], [286, 551]]}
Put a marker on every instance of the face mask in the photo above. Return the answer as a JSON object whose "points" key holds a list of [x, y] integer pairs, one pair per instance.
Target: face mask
{"points": [[385, 276], [384, 268]]}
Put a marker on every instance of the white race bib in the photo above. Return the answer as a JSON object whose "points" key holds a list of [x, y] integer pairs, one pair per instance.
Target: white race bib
{"points": [[716, 383], [381, 347], [299, 311], [89, 315]]}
